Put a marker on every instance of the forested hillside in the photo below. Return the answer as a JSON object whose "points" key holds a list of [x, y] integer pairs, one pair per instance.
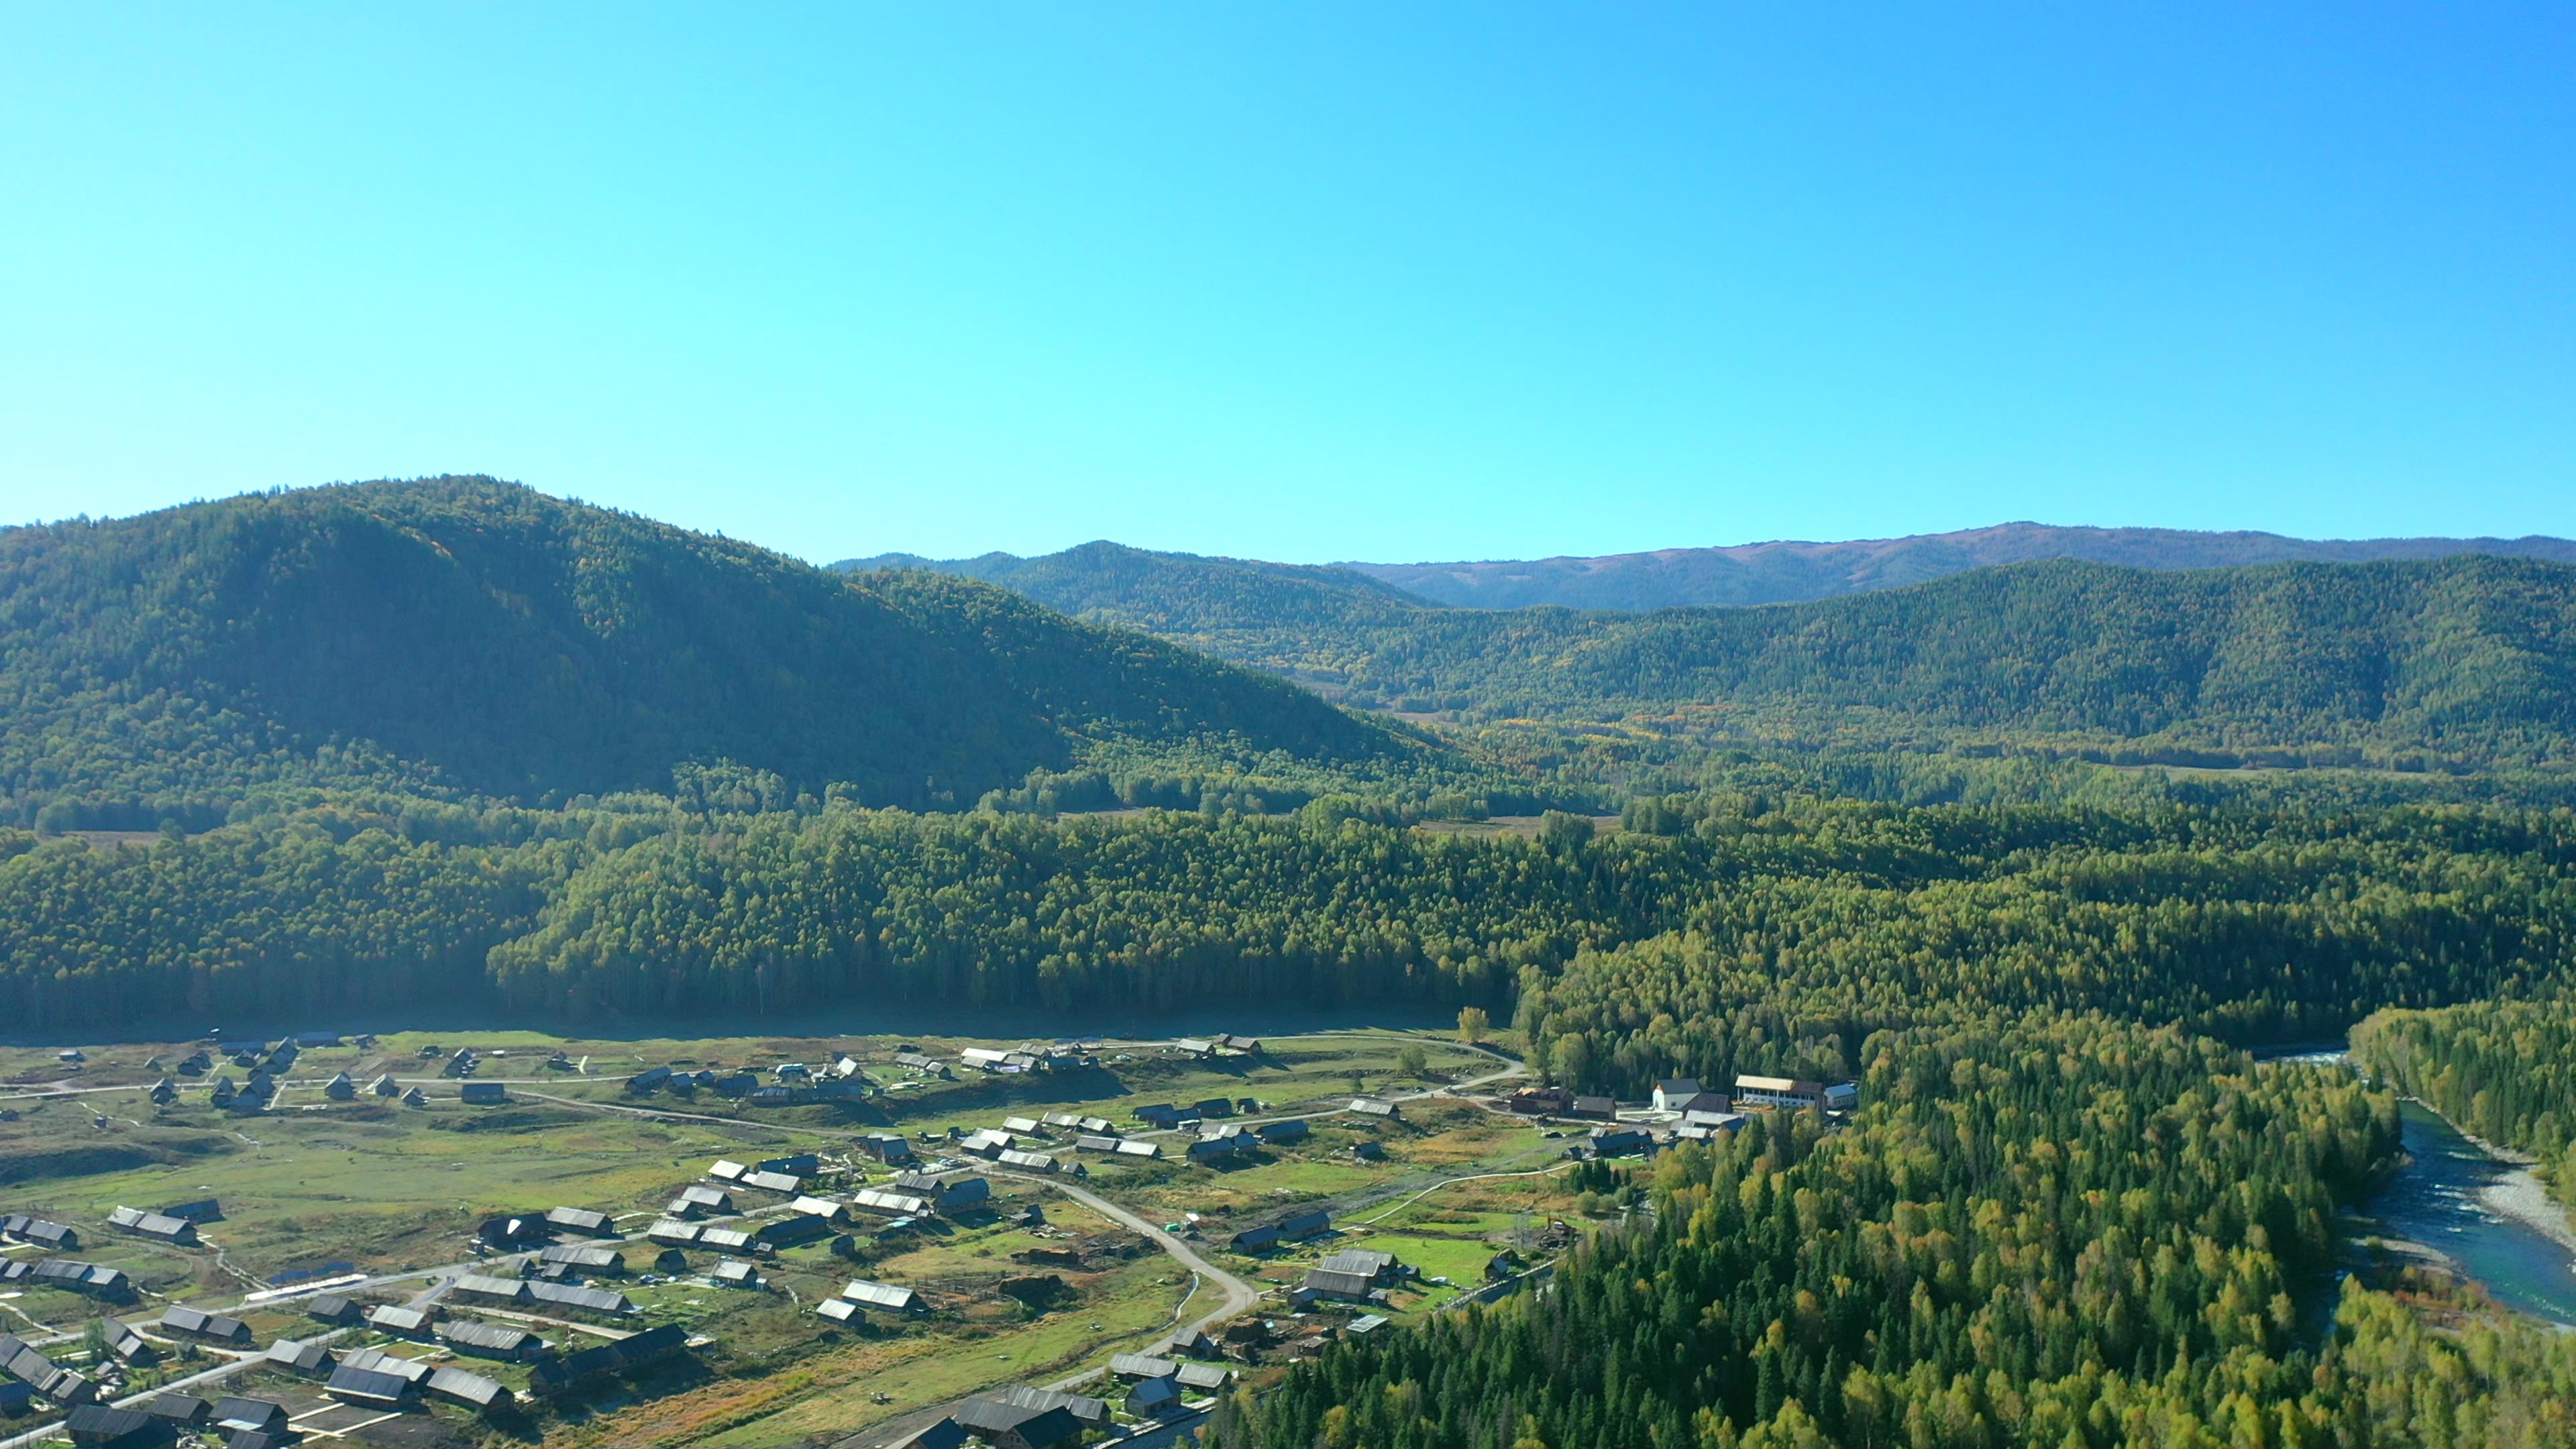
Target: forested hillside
{"points": [[1793, 572], [2463, 662], [467, 638], [2056, 1233]]}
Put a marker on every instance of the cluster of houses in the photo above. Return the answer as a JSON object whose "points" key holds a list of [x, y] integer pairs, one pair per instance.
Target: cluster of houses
{"points": [[1680, 1110], [1351, 1275], [1211, 1047], [792, 1083], [69, 1275], [810, 1216], [243, 1422], [38, 1232], [1150, 1387], [34, 1374], [1017, 1061]]}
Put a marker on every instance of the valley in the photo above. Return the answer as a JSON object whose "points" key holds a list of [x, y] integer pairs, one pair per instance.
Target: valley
{"points": [[367, 1198]]}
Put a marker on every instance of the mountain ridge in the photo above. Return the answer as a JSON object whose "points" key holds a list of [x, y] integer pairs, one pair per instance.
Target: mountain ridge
{"points": [[1793, 571], [1770, 572], [2466, 660]]}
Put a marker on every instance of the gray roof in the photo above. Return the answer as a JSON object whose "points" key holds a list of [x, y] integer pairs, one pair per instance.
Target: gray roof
{"points": [[411, 1370], [880, 1295], [580, 1220], [1094, 1413], [1348, 1285], [302, 1357], [368, 1385], [1202, 1375], [589, 1300], [475, 1334], [477, 1285], [471, 1389], [394, 1319], [248, 1413]]}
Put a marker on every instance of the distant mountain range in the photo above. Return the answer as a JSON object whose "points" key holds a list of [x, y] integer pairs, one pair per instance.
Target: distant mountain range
{"points": [[1780, 572], [2460, 659]]}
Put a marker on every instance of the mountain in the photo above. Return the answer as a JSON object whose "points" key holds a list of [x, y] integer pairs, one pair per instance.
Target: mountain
{"points": [[2468, 659], [1778, 573], [1172, 593], [470, 638]]}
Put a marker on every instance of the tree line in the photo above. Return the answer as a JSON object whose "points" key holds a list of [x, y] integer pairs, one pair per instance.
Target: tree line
{"points": [[1775, 940]]}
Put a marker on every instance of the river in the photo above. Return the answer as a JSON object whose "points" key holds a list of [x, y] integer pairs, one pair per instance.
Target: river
{"points": [[2433, 1200]]}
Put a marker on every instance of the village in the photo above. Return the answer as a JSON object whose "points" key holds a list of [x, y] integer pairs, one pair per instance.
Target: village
{"points": [[400, 1240]]}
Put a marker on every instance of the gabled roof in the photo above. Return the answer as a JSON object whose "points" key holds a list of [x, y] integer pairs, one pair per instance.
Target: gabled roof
{"points": [[1154, 1393], [1347, 1285], [248, 1414], [1358, 1260], [477, 1285], [178, 1408], [579, 1220], [946, 1434], [410, 1370], [881, 1295], [589, 1300], [100, 1424], [182, 1319], [470, 1389], [1039, 1428], [1093, 1413], [473, 1333], [303, 1358], [367, 1386]]}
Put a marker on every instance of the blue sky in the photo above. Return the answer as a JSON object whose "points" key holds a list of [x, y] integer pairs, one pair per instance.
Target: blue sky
{"points": [[1306, 282]]}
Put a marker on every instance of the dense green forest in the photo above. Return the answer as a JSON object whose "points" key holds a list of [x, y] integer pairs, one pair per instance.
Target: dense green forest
{"points": [[2065, 1233], [1758, 935], [2505, 1070], [2461, 662], [462, 638]]}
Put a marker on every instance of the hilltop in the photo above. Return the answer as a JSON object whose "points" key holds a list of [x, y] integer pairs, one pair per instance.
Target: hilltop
{"points": [[467, 638]]}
